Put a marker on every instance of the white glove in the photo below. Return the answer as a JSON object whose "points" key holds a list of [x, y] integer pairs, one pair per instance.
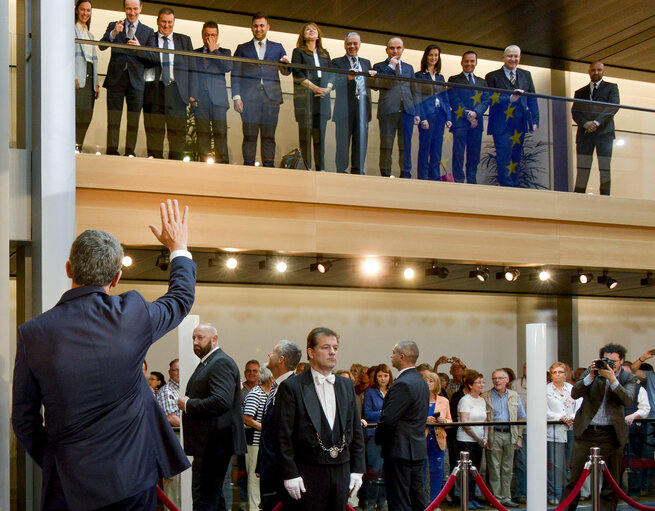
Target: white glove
{"points": [[355, 483], [296, 487]]}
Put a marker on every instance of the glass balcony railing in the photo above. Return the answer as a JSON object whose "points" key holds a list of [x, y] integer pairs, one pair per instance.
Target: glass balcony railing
{"points": [[217, 108]]}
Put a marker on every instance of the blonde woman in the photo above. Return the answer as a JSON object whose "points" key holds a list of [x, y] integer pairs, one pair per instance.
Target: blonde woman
{"points": [[438, 413]]}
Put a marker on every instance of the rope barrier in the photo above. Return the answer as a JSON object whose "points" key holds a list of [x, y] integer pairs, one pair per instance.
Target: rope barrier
{"points": [[486, 491], [576, 489], [619, 491], [165, 500], [444, 491], [280, 507]]}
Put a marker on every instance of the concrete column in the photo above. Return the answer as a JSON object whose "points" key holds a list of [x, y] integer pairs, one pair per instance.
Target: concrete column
{"points": [[53, 145]]}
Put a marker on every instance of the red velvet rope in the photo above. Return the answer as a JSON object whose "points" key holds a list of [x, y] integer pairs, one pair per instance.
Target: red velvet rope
{"points": [[576, 489], [280, 507], [165, 500], [617, 489], [486, 491], [444, 491]]}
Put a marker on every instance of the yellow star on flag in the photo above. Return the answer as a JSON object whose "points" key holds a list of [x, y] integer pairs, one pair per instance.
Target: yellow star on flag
{"points": [[516, 138], [495, 98], [509, 112], [460, 111], [512, 167], [477, 98]]}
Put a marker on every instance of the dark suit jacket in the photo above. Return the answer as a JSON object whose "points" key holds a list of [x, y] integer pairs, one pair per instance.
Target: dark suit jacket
{"points": [[136, 60], [247, 77], [617, 399], [82, 360], [213, 421], [182, 64], [210, 80], [427, 95], [467, 99], [297, 414], [401, 428], [603, 114], [393, 91], [266, 458], [525, 107], [304, 100], [346, 103]]}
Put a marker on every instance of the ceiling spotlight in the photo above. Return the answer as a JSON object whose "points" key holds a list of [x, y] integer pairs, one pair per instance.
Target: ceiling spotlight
{"points": [[127, 261], [281, 266], [544, 275], [409, 273], [607, 280], [320, 266], [582, 277], [509, 274], [371, 266], [436, 270], [649, 280], [231, 263], [163, 259], [482, 274]]}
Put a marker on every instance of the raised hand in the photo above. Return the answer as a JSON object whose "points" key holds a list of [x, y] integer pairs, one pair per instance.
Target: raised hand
{"points": [[174, 231], [118, 28]]}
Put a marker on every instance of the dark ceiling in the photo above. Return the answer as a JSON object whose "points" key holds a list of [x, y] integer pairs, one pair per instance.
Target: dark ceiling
{"points": [[551, 33]]}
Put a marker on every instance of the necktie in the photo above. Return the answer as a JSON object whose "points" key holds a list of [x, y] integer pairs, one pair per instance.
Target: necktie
{"points": [[270, 399], [166, 64], [130, 31], [594, 93], [320, 379], [398, 70], [205, 62], [471, 79], [512, 78], [360, 81], [260, 50]]}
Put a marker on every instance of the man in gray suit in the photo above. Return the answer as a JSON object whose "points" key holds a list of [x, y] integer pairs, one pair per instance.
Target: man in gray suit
{"points": [[600, 422]]}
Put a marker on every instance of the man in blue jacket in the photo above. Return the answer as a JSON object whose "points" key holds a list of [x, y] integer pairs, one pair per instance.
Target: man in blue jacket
{"points": [[105, 442]]}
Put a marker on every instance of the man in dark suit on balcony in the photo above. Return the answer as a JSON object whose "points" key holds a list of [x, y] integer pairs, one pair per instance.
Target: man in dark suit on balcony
{"points": [[105, 442], [125, 80], [396, 112], [212, 419], [468, 108], [352, 107], [401, 431], [209, 96], [595, 128], [256, 91], [511, 116], [167, 91]]}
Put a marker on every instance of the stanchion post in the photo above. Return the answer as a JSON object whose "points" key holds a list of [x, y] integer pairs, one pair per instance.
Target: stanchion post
{"points": [[465, 467], [595, 478]]}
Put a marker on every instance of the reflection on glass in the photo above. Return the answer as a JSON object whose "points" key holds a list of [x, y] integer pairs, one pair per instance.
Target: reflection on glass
{"points": [[86, 72]]}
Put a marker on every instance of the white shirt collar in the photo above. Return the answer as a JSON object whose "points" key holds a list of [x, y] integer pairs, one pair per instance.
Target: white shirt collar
{"points": [[403, 370], [597, 83], [256, 42], [202, 360], [284, 377]]}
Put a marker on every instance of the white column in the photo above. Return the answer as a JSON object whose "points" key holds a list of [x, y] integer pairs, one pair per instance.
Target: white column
{"points": [[536, 349], [5, 363], [53, 145], [188, 363]]}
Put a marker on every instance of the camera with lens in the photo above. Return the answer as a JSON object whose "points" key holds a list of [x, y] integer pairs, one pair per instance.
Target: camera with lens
{"points": [[605, 363]]}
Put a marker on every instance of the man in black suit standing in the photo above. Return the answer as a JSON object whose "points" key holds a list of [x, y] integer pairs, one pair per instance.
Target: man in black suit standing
{"points": [[606, 390], [282, 362], [595, 127], [167, 91], [401, 432], [102, 445], [125, 80], [320, 444], [209, 96], [212, 419], [352, 107]]}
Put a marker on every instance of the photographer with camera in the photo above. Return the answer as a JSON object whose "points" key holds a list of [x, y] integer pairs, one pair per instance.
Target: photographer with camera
{"points": [[600, 422]]}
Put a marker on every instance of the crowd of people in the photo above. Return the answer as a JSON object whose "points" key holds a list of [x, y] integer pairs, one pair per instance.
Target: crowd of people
{"points": [[165, 85]]}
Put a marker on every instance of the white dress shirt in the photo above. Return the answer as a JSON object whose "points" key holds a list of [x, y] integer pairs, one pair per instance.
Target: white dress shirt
{"points": [[324, 386]]}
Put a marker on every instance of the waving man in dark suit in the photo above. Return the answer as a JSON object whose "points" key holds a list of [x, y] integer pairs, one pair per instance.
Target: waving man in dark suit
{"points": [[105, 442], [212, 422], [401, 431], [595, 128], [320, 440]]}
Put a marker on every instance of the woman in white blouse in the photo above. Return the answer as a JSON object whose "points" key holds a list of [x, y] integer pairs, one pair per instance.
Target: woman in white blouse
{"points": [[86, 72], [560, 406]]}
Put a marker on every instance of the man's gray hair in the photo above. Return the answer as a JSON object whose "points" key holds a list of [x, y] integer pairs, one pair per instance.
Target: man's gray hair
{"points": [[409, 349], [352, 34], [291, 353], [265, 375], [511, 47], [95, 258]]}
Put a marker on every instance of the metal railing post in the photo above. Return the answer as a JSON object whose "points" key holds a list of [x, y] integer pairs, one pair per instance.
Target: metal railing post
{"points": [[465, 466], [595, 478]]}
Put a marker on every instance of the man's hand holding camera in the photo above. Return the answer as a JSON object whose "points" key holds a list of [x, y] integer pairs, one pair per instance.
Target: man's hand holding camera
{"points": [[604, 367]]}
